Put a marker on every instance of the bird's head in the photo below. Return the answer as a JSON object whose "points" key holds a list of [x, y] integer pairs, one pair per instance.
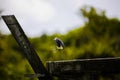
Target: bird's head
{"points": [[55, 38]]}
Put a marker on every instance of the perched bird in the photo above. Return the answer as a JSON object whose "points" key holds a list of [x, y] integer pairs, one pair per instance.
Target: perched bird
{"points": [[59, 43]]}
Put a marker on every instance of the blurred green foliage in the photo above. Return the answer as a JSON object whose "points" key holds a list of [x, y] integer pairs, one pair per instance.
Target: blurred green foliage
{"points": [[98, 37]]}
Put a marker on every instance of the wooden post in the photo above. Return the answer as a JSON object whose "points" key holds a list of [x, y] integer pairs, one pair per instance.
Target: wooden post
{"points": [[26, 46]]}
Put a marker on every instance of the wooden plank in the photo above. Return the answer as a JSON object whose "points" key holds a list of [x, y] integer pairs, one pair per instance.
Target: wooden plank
{"points": [[77, 68], [33, 75], [26, 46]]}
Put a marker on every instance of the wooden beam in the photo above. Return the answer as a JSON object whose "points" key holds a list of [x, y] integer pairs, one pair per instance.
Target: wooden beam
{"points": [[80, 67], [26, 46]]}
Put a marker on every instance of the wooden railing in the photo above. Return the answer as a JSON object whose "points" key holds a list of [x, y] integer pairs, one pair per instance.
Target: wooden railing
{"points": [[65, 69], [84, 67]]}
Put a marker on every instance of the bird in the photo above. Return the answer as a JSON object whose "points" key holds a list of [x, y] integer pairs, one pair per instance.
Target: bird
{"points": [[59, 43]]}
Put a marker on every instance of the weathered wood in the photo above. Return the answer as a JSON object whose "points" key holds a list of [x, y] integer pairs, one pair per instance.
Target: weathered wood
{"points": [[80, 67], [33, 75], [26, 46]]}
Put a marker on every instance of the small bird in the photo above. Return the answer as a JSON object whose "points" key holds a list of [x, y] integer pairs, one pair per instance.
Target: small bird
{"points": [[59, 43]]}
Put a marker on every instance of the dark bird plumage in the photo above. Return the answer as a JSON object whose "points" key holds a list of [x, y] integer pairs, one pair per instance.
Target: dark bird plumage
{"points": [[59, 43]]}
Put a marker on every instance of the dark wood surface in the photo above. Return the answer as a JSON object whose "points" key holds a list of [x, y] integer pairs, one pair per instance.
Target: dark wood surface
{"points": [[79, 67], [26, 47]]}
